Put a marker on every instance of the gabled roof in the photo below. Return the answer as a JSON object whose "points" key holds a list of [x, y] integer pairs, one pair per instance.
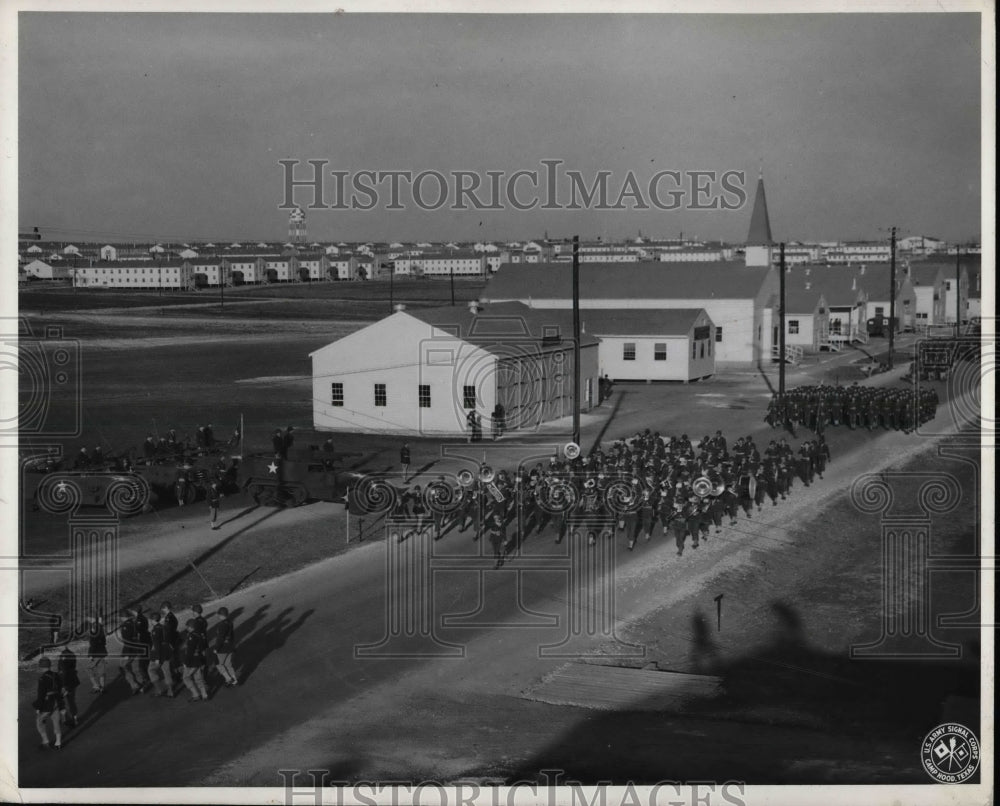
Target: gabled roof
{"points": [[799, 300], [922, 274], [760, 223], [875, 280], [838, 285], [639, 321], [503, 323], [624, 281]]}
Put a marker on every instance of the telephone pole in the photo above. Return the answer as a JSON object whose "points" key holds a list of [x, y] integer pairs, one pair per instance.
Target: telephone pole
{"points": [[892, 293], [576, 339], [781, 329], [958, 291]]}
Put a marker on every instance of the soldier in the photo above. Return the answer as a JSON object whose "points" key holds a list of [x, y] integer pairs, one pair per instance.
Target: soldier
{"points": [[160, 659], [194, 661], [438, 496], [805, 463], [82, 460], [171, 634], [287, 441], [209, 437], [404, 461], [418, 509], [48, 704], [144, 639], [132, 651], [278, 443], [648, 507], [70, 681], [214, 500], [225, 647], [693, 520], [874, 412], [97, 651], [181, 487], [149, 448], [678, 523], [199, 437], [498, 536]]}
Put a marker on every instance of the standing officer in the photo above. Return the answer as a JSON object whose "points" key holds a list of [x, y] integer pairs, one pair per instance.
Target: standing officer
{"points": [[214, 500], [171, 634], [404, 461], [498, 536]]}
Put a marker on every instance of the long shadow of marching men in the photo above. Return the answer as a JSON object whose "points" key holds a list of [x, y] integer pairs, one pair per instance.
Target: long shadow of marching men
{"points": [[114, 694], [253, 649]]}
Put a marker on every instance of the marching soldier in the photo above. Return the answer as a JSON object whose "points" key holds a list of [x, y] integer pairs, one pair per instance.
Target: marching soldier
{"points": [[194, 662], [498, 536], [131, 652], [214, 501], [225, 647], [160, 660], [70, 680], [48, 704]]}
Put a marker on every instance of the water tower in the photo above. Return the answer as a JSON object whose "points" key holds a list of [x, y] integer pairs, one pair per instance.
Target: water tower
{"points": [[297, 226]]}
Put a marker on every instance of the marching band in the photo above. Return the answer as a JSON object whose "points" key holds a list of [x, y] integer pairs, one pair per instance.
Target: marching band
{"points": [[624, 490]]}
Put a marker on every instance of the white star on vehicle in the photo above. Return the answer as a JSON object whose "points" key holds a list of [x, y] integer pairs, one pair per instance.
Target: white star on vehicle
{"points": [[272, 468], [61, 487]]}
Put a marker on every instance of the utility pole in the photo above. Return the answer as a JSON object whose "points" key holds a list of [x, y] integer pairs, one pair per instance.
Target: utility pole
{"points": [[781, 329], [392, 271], [452, 285], [958, 292], [576, 339], [892, 293]]}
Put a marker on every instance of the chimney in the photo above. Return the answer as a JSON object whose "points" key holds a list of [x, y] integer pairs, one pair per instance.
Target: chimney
{"points": [[398, 307]]}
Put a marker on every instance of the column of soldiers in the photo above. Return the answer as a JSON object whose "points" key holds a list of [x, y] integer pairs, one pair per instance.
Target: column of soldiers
{"points": [[625, 490], [856, 406], [156, 656]]}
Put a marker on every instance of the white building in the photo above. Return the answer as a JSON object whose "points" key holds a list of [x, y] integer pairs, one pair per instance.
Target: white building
{"points": [[244, 269], [652, 345], [137, 274], [40, 270], [736, 298], [853, 252], [929, 286], [442, 264], [422, 371], [691, 255]]}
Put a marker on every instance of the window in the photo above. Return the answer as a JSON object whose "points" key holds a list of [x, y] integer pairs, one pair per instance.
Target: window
{"points": [[947, 285], [336, 394], [469, 397], [380, 396], [718, 332], [660, 351], [628, 351], [921, 316], [694, 349], [793, 325], [424, 393], [702, 351], [879, 310]]}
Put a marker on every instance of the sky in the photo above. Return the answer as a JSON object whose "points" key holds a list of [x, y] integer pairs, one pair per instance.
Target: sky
{"points": [[170, 126]]}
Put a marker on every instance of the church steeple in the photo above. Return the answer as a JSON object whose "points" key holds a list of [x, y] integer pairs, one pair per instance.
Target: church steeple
{"points": [[759, 240]]}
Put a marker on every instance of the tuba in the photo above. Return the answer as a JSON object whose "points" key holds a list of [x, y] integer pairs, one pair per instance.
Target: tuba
{"points": [[465, 478], [571, 450], [704, 487], [487, 474]]}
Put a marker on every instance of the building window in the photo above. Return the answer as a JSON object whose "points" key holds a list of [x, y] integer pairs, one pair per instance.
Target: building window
{"points": [[469, 397], [879, 310], [718, 332], [380, 395], [921, 316], [793, 325], [660, 351], [628, 351], [336, 394], [694, 349], [424, 393], [702, 351]]}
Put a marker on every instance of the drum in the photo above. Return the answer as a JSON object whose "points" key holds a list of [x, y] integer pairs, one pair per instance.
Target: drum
{"points": [[748, 486]]}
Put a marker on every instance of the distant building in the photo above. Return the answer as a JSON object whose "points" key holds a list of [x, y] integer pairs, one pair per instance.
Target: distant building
{"points": [[135, 274], [859, 252], [40, 270], [929, 286]]}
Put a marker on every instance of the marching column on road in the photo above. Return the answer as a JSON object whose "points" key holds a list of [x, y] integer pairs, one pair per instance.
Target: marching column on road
{"points": [[625, 489], [873, 407]]}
